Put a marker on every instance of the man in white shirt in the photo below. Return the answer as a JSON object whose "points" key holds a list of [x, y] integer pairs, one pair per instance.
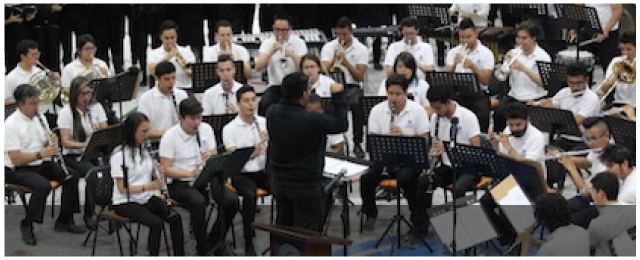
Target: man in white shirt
{"points": [[618, 160], [354, 57], [160, 104], [221, 98], [480, 61], [478, 12], [170, 51], [28, 149], [184, 149], [524, 77], [625, 93], [248, 130], [520, 140], [412, 43], [225, 45], [28, 52], [401, 117]]}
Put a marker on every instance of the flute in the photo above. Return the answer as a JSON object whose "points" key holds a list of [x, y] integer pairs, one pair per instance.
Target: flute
{"points": [[571, 153]]}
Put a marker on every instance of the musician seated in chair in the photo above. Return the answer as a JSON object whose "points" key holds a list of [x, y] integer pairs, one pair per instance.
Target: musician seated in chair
{"points": [[86, 64], [319, 84], [29, 147], [24, 70], [402, 117], [622, 67], [221, 98], [405, 64], [248, 130], [225, 45], [412, 43], [141, 204], [520, 140], [160, 104], [184, 150], [335, 142], [170, 51]]}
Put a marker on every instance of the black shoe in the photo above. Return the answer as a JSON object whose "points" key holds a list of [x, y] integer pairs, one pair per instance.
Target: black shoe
{"points": [[415, 239], [250, 250], [69, 227], [26, 228], [369, 224], [377, 66], [357, 150]]}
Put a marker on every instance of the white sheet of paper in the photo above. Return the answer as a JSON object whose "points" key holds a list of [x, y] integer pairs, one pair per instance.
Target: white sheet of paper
{"points": [[518, 209], [333, 166]]}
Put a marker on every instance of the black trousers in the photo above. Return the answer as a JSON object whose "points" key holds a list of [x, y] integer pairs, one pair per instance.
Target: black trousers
{"points": [[300, 207], [246, 185], [606, 50], [80, 170], [37, 178], [144, 22], [354, 99], [196, 201], [465, 181], [73, 19], [109, 34], [48, 39], [153, 214], [481, 106], [412, 188]]}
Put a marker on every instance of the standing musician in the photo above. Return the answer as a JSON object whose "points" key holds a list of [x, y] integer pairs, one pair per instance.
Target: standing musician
{"points": [[184, 150], [181, 57], [24, 70], [625, 93], [160, 104], [412, 43], [401, 117], [471, 56], [142, 205], [345, 53], [524, 77], [29, 148], [77, 121], [221, 98], [86, 64], [248, 130], [225, 45], [520, 140], [405, 65]]}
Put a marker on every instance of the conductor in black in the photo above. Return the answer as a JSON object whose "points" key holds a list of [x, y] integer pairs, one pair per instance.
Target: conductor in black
{"points": [[295, 157]]}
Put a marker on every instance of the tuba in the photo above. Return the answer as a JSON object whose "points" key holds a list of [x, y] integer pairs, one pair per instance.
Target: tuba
{"points": [[49, 87]]}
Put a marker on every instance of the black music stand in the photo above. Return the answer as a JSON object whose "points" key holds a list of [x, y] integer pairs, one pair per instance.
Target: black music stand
{"points": [[464, 84], [217, 122], [214, 165], [368, 103], [115, 89], [398, 151], [527, 176], [204, 75], [102, 143], [553, 121], [582, 18], [430, 16], [553, 75], [528, 10], [623, 131]]}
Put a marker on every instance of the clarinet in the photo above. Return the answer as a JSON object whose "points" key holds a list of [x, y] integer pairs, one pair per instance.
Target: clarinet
{"points": [[175, 104], [392, 107], [163, 190], [434, 160], [57, 157]]}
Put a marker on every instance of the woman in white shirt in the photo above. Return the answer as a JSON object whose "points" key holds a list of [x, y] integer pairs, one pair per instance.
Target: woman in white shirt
{"points": [[77, 121], [142, 205], [85, 64], [318, 83], [405, 64]]}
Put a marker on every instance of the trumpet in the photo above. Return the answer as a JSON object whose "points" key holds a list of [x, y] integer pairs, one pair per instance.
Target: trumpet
{"points": [[502, 73], [465, 52], [182, 62], [163, 190], [283, 59], [58, 156], [227, 47], [623, 71], [340, 52], [570, 153]]}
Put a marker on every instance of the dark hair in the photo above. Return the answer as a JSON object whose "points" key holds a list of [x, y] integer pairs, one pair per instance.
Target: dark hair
{"points": [[628, 37], [84, 39], [617, 154], [439, 93], [576, 69], [224, 57], [131, 124], [164, 67], [23, 46], [397, 79], [607, 182], [242, 90], [591, 122], [517, 110], [76, 85], [222, 23], [409, 61], [282, 16], [314, 98], [552, 211], [529, 27], [313, 58], [190, 107], [466, 24], [168, 25], [25, 91], [409, 22], [345, 22], [294, 85]]}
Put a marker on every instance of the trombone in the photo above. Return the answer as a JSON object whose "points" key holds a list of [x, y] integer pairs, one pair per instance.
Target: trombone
{"points": [[465, 52], [623, 71], [502, 73]]}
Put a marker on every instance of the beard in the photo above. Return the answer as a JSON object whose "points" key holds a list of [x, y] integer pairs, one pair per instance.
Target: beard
{"points": [[519, 133]]}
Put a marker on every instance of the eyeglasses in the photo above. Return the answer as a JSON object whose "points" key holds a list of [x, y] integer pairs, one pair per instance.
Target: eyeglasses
{"points": [[593, 139], [89, 48], [281, 29]]}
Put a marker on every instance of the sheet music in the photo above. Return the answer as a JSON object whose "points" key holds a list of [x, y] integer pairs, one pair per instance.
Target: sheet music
{"points": [[518, 209], [333, 166]]}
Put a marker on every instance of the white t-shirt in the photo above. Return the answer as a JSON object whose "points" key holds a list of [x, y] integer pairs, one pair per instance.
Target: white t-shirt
{"points": [[413, 119], [94, 117], [627, 193], [17, 77], [139, 173], [481, 56], [596, 164], [522, 87], [624, 93], [605, 12], [24, 134], [239, 134], [334, 140], [214, 101], [211, 53], [421, 51], [160, 109], [356, 54], [182, 79], [480, 9], [586, 105], [322, 87], [418, 88], [468, 127], [74, 68], [184, 149], [530, 145], [275, 70]]}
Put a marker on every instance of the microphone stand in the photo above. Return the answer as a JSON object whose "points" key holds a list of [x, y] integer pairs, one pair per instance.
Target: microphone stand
{"points": [[125, 170], [453, 135]]}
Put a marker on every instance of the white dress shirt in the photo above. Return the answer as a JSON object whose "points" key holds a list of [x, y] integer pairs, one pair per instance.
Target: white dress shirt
{"points": [[139, 173], [184, 149], [214, 101], [356, 54], [522, 87], [74, 68], [413, 119], [94, 117], [17, 77], [182, 79], [275, 70], [239, 134], [160, 109], [24, 134], [421, 51]]}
